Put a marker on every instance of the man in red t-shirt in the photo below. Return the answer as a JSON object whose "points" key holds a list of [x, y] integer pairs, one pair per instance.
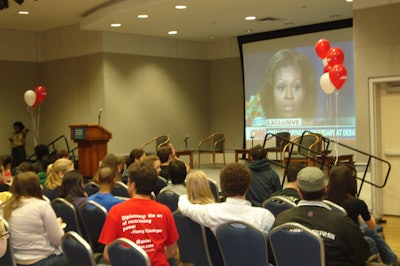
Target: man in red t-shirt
{"points": [[144, 221]]}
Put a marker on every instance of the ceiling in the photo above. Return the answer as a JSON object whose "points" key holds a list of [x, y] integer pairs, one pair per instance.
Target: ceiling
{"points": [[203, 20]]}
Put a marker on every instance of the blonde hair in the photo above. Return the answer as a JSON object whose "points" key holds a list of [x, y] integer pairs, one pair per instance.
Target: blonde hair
{"points": [[56, 171], [198, 188]]}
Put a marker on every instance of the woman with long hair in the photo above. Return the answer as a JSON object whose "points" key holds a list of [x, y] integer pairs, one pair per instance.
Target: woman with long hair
{"points": [[72, 188], [35, 230], [54, 177], [198, 188]]}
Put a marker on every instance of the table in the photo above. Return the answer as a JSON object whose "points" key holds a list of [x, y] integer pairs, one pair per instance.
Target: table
{"points": [[186, 152], [348, 158], [241, 151]]}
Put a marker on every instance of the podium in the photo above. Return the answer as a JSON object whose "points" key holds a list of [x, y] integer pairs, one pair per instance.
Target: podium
{"points": [[92, 142]]}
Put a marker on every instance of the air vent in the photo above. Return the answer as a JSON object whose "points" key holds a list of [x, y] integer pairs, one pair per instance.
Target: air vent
{"points": [[268, 19]]}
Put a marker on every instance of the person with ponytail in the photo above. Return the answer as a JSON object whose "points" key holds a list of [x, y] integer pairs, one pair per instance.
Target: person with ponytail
{"points": [[54, 176]]}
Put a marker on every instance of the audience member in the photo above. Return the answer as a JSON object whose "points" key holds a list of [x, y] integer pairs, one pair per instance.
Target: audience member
{"points": [[344, 243], [17, 140], [198, 188], [177, 173], [72, 188], [264, 179], [62, 154], [111, 161], [144, 221], [7, 162], [106, 182], [22, 167], [3, 239], [166, 155], [47, 160], [40, 150], [342, 190], [35, 230], [235, 180], [134, 156], [291, 190], [3, 185], [161, 181], [54, 176]]}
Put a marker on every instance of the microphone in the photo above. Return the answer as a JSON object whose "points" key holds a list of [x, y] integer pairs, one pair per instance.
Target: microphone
{"points": [[100, 112]]}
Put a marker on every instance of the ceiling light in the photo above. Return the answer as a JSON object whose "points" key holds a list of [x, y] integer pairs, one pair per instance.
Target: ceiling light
{"points": [[250, 18], [23, 12], [115, 25], [143, 16], [180, 7], [172, 32], [349, 1]]}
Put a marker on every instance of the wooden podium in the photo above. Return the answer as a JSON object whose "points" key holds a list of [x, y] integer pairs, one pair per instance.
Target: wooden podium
{"points": [[92, 142]]}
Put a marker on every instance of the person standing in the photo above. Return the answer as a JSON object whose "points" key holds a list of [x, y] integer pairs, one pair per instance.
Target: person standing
{"points": [[17, 141]]}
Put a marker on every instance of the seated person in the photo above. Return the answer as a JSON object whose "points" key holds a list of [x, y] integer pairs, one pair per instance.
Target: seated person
{"points": [[134, 156], [161, 181], [72, 188], [291, 190], [46, 161], [166, 155], [234, 180], [177, 173], [106, 182], [54, 177], [40, 150]]}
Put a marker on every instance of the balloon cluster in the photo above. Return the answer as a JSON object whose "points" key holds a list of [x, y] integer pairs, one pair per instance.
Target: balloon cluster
{"points": [[335, 74], [33, 98]]}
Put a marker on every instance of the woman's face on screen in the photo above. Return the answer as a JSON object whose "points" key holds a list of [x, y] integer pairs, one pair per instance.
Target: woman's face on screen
{"points": [[289, 92]]}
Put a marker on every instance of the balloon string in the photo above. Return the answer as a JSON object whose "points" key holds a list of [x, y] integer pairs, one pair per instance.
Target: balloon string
{"points": [[37, 123], [337, 127]]}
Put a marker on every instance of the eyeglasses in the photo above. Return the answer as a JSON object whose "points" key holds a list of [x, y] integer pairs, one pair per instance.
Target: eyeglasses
{"points": [[6, 235]]}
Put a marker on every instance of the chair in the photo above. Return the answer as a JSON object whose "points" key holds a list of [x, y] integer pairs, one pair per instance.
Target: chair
{"points": [[294, 244], [161, 183], [242, 244], [91, 188], [213, 144], [214, 189], [281, 139], [120, 189], [169, 198], [335, 207], [77, 250], [192, 242], [123, 251], [159, 141], [8, 257], [93, 216], [302, 149], [67, 212], [278, 204]]}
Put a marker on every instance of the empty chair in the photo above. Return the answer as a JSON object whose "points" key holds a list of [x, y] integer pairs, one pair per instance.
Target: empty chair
{"points": [[67, 212], [120, 189], [91, 188], [8, 257], [213, 144], [123, 251], [159, 141], [281, 139], [302, 149], [93, 216], [277, 204], [77, 250], [169, 198], [294, 244], [242, 244]]}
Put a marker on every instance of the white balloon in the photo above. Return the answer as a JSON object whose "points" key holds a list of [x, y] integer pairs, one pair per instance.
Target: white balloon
{"points": [[325, 61], [30, 97], [326, 84]]}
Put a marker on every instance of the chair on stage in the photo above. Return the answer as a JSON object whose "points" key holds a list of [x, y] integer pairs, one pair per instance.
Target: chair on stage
{"points": [[77, 250], [278, 204], [159, 141], [281, 139], [8, 258], [296, 245], [242, 244], [213, 144], [169, 198], [302, 149], [93, 216], [120, 189], [67, 212], [123, 251], [91, 188]]}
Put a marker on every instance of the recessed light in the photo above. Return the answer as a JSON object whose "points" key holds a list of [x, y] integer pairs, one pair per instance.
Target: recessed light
{"points": [[180, 7], [115, 25], [172, 32], [250, 18], [349, 1], [143, 16], [212, 37], [23, 12]]}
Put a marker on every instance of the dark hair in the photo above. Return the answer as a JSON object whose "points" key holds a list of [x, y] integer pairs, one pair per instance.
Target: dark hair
{"points": [[62, 154], [292, 171], [258, 153], [143, 174], [72, 186], [47, 160], [342, 185], [134, 155], [19, 124], [177, 171], [163, 153], [23, 167], [41, 150], [235, 179], [6, 159], [315, 195]]}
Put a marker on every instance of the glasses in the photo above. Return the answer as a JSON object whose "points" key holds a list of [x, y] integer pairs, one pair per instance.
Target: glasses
{"points": [[6, 235]]}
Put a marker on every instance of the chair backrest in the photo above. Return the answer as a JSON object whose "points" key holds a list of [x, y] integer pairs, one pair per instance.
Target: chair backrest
{"points": [[8, 257], [169, 198], [294, 244], [219, 142], [93, 216], [309, 143], [214, 189], [123, 251], [278, 204], [120, 189], [91, 188], [77, 250], [242, 244], [159, 141], [67, 212], [335, 207], [281, 139], [192, 242]]}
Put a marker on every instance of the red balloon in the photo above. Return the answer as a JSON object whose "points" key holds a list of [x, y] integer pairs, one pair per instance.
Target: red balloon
{"points": [[41, 94], [322, 47], [327, 68], [335, 56], [338, 76]]}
